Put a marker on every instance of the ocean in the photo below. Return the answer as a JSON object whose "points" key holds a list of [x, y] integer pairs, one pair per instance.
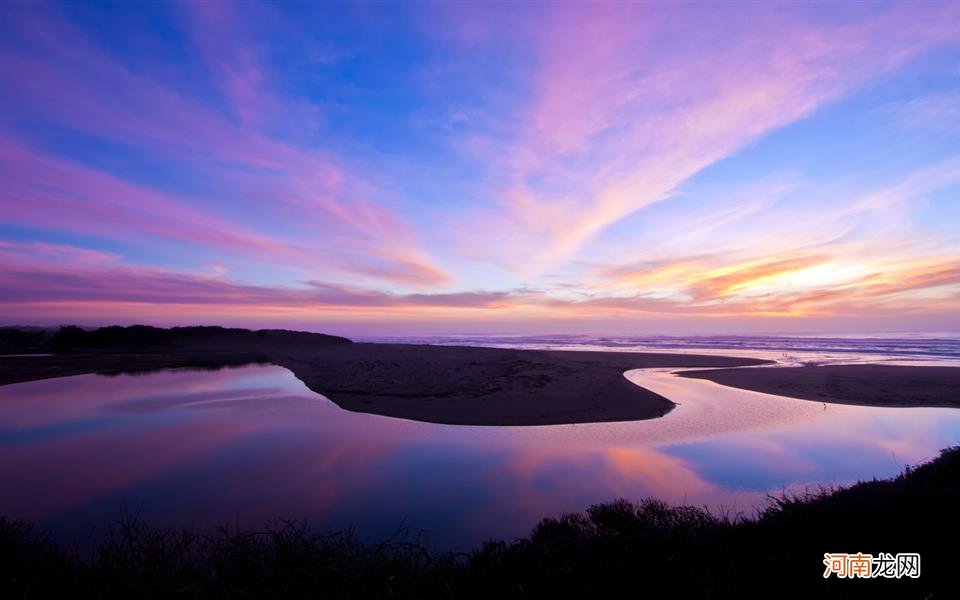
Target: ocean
{"points": [[910, 349]]}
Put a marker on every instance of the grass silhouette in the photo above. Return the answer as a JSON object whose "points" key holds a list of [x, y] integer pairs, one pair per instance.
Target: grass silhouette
{"points": [[685, 552]]}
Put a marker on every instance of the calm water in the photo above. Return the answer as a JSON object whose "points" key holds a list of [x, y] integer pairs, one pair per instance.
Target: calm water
{"points": [[250, 444]]}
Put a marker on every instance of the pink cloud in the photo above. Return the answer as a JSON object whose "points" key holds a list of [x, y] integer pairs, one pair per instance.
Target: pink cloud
{"points": [[220, 33], [42, 253], [630, 101], [98, 280], [304, 186], [42, 191], [43, 280]]}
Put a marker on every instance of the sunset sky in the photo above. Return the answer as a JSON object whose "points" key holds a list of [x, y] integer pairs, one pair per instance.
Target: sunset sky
{"points": [[450, 168]]}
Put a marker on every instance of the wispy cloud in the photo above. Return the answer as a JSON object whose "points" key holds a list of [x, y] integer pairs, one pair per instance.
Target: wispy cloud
{"points": [[62, 275], [690, 162], [632, 101], [107, 100]]}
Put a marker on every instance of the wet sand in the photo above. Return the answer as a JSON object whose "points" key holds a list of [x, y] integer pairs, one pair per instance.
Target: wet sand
{"points": [[438, 384], [866, 385], [490, 386]]}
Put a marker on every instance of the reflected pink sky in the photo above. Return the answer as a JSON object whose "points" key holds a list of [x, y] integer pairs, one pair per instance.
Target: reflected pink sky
{"points": [[251, 444]]}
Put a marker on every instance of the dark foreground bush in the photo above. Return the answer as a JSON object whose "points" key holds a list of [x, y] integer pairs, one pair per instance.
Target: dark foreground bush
{"points": [[613, 550]]}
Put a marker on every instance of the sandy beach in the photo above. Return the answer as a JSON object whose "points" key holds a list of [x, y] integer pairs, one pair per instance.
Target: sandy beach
{"points": [[867, 385], [489, 386]]}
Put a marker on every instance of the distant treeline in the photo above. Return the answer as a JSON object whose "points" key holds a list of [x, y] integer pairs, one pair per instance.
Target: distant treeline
{"points": [[32, 339], [614, 550], [71, 337]]}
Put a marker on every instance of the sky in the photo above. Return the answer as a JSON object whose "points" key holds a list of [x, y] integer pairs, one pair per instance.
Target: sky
{"points": [[404, 168]]}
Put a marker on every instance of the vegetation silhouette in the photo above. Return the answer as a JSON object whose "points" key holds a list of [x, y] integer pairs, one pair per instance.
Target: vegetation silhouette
{"points": [[71, 337], [685, 552]]}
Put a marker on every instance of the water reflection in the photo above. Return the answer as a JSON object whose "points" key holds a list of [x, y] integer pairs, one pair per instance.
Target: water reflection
{"points": [[250, 444]]}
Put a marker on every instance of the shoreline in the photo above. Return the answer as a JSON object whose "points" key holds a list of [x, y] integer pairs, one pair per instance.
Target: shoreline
{"points": [[436, 384], [471, 385]]}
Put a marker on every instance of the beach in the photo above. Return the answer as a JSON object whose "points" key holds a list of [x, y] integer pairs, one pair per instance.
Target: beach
{"points": [[437, 384], [862, 384], [492, 386]]}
